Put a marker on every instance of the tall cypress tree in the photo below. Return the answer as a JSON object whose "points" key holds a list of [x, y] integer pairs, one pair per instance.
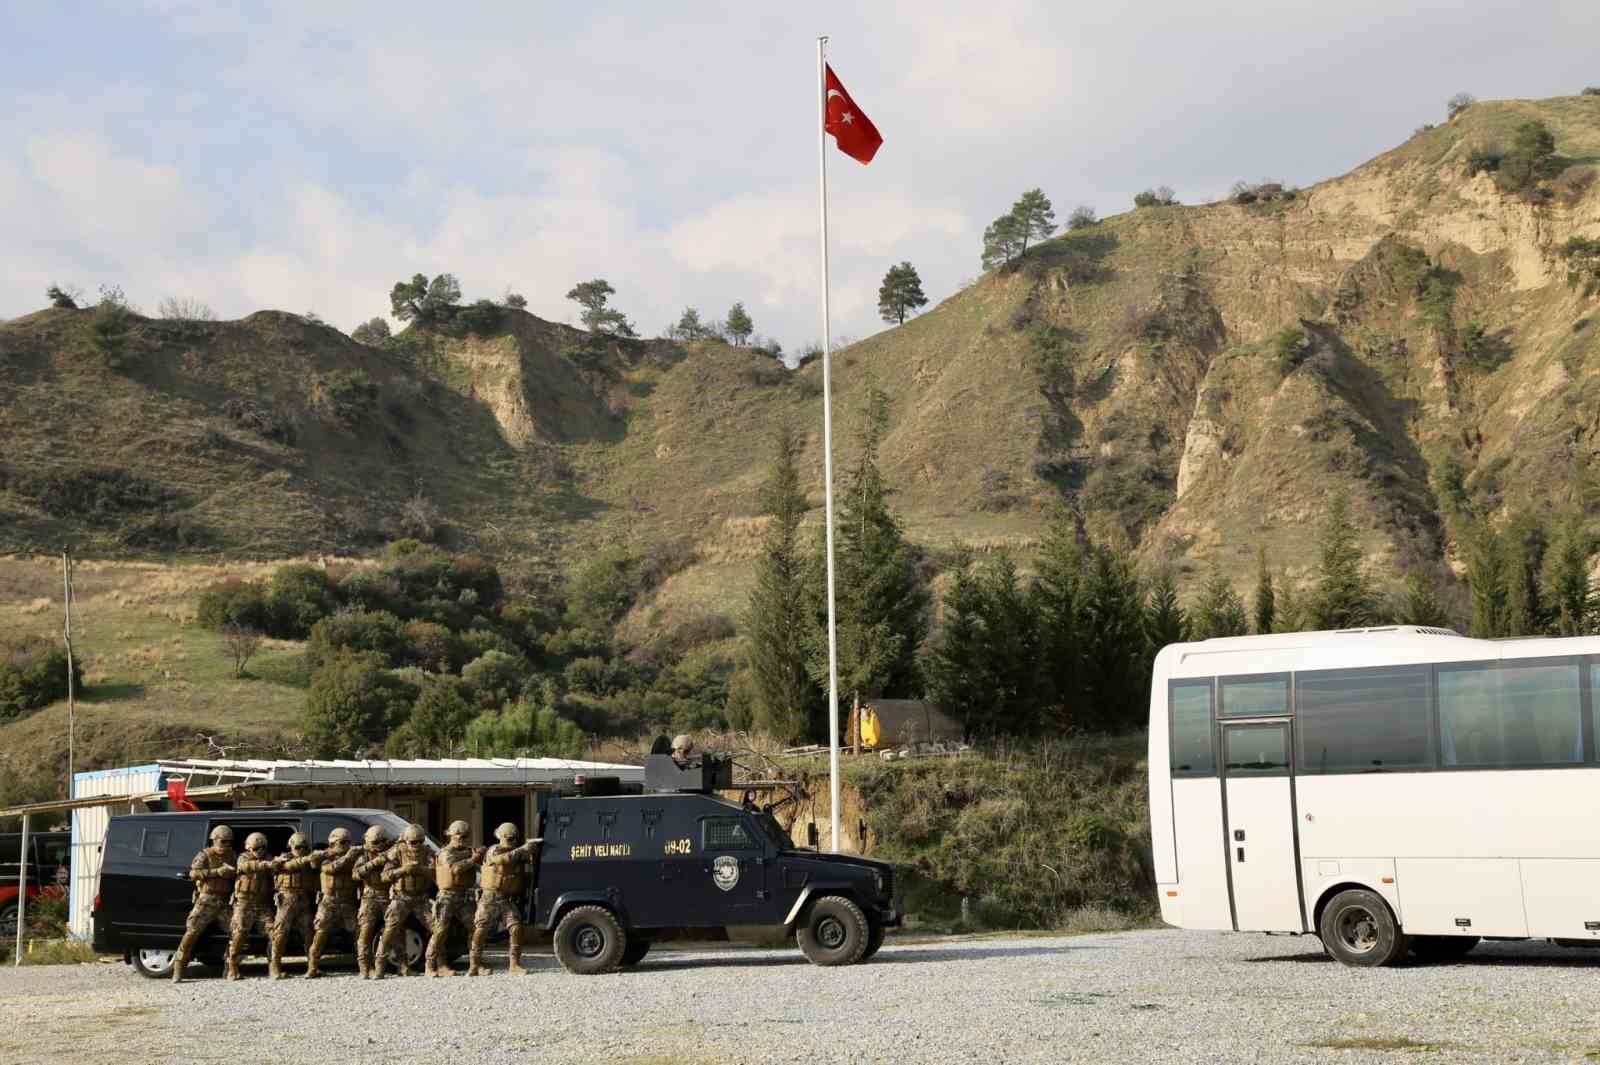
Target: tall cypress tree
{"points": [[1486, 578], [957, 665], [1219, 610], [1165, 621], [785, 695], [1266, 600], [1012, 647], [1419, 602], [1057, 604], [1565, 579], [1524, 554], [1116, 664], [1342, 599], [881, 603]]}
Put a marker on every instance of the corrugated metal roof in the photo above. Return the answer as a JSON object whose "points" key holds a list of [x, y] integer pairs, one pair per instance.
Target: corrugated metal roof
{"points": [[410, 770]]}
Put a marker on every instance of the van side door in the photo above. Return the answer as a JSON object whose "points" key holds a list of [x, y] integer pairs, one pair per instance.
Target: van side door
{"points": [[733, 868]]}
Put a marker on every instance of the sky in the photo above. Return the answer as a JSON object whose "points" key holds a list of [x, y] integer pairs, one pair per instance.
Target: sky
{"points": [[305, 156]]}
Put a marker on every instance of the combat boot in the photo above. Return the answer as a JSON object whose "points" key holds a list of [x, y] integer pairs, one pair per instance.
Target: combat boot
{"points": [[181, 960], [437, 964], [314, 954], [475, 955], [230, 970], [275, 961], [515, 966], [364, 959]]}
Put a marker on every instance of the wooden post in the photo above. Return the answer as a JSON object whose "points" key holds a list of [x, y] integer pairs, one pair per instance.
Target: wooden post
{"points": [[855, 724]]}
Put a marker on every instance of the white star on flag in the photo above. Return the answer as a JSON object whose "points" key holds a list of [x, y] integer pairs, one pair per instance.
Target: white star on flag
{"points": [[847, 118]]}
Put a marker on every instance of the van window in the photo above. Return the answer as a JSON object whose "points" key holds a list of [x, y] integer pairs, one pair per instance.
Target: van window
{"points": [[1192, 753], [157, 842], [277, 833], [1364, 720], [1510, 714]]}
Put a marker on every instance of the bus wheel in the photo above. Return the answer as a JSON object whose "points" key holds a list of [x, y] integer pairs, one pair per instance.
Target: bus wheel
{"points": [[1442, 948], [1358, 929]]}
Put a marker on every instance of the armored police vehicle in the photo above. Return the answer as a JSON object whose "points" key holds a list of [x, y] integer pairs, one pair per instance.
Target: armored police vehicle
{"points": [[620, 871]]}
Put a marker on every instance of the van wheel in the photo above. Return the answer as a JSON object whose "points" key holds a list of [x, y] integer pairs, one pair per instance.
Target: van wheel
{"points": [[835, 932], [156, 964], [635, 951], [874, 940], [1442, 948], [589, 941], [8, 920], [1358, 929]]}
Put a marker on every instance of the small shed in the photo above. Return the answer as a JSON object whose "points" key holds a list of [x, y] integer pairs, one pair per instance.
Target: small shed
{"points": [[882, 723], [483, 792]]}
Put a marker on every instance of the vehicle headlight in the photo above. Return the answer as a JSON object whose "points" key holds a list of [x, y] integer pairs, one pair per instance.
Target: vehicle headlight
{"points": [[877, 881]]}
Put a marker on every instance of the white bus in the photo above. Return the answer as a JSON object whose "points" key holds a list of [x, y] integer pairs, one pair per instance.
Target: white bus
{"points": [[1384, 789]]}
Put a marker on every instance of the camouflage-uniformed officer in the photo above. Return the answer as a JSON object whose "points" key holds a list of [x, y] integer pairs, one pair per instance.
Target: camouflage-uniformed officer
{"points": [[500, 905], [252, 898], [296, 882], [373, 856], [406, 873], [212, 871], [337, 906], [455, 871]]}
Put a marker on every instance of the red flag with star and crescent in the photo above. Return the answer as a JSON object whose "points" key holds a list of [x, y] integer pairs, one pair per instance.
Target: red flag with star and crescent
{"points": [[852, 131]]}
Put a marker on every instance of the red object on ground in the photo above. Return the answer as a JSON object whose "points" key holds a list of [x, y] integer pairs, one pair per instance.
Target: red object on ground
{"points": [[852, 130]]}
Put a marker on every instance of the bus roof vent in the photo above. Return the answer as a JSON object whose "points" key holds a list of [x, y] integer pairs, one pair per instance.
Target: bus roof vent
{"points": [[1431, 631], [1426, 630]]}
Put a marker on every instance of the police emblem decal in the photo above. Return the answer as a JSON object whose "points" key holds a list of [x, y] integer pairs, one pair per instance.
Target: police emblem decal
{"points": [[725, 872]]}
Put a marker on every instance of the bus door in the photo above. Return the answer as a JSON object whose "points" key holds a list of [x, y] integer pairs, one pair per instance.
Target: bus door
{"points": [[1258, 823]]}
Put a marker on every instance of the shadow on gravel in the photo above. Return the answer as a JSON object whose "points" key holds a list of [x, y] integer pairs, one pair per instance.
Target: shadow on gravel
{"points": [[889, 956], [1522, 959]]}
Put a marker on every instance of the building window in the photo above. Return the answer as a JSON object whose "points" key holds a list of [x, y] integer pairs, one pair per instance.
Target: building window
{"points": [[1510, 714], [1364, 720], [1192, 753]]}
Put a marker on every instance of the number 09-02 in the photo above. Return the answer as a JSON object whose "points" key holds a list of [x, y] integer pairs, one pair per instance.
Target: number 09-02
{"points": [[678, 846]]}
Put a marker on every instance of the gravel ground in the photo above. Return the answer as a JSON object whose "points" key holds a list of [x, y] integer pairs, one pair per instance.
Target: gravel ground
{"points": [[1156, 996]]}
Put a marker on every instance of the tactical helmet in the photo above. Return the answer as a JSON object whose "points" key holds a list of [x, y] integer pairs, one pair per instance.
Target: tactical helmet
{"points": [[297, 842], [413, 835], [375, 836], [221, 835], [458, 828], [682, 744], [255, 842], [506, 833], [337, 837]]}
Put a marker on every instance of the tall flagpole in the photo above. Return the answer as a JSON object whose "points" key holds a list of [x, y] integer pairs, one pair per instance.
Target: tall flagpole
{"points": [[827, 454]]}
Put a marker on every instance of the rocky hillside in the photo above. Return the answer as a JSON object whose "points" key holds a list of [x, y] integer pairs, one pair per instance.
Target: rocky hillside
{"points": [[1195, 381]]}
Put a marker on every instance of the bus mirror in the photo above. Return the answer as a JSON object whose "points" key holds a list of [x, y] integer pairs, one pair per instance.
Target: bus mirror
{"points": [[811, 834]]}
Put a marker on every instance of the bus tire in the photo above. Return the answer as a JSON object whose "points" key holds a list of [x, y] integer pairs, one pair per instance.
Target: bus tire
{"points": [[1358, 928], [1442, 948], [834, 931], [589, 940]]}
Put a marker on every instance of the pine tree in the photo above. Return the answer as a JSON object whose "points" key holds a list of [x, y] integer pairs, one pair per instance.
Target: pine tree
{"points": [[1265, 598], [1524, 547], [1486, 578], [957, 667], [1165, 621], [900, 292], [1012, 647], [1116, 664], [1342, 599], [739, 324], [1057, 604], [1419, 602], [1288, 612], [785, 696], [1036, 217], [1565, 579], [1003, 241], [1219, 610], [881, 604]]}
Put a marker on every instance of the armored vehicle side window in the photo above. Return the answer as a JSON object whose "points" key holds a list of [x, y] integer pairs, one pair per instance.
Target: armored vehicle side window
{"points": [[728, 833], [157, 842]]}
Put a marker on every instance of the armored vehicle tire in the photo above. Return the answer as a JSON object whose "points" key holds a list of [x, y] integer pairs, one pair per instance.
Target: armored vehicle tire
{"points": [[874, 940], [635, 951], [1357, 928], [834, 931], [589, 941], [1442, 948], [154, 963]]}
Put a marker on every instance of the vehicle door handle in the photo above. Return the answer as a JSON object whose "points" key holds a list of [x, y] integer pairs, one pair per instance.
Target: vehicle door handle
{"points": [[180, 876], [1241, 854]]}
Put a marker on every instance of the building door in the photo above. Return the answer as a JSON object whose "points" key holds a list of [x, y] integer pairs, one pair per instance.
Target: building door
{"points": [[1258, 823], [499, 809]]}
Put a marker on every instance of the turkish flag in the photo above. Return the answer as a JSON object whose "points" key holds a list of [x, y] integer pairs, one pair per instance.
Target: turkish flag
{"points": [[178, 796], [852, 131]]}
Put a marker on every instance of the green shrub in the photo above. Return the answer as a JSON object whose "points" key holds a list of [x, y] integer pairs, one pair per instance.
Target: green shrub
{"points": [[33, 673], [604, 588], [355, 631], [109, 326], [99, 495], [1530, 159], [1590, 90], [1485, 160], [235, 602], [1290, 347], [431, 647], [353, 704], [348, 396], [438, 721], [1583, 263], [496, 677], [299, 595], [523, 728]]}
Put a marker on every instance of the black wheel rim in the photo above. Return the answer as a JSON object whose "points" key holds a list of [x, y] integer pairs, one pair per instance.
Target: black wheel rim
{"points": [[589, 941], [1357, 929], [831, 933]]}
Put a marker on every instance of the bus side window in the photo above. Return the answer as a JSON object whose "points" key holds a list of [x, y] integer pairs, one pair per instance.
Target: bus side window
{"points": [[1494, 714], [1192, 753]]}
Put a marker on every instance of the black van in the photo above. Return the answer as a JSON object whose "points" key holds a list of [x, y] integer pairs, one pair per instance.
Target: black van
{"points": [[145, 891], [620, 871]]}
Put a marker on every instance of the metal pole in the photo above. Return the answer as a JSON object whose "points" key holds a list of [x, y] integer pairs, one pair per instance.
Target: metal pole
{"points": [[22, 888], [827, 453], [72, 701]]}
